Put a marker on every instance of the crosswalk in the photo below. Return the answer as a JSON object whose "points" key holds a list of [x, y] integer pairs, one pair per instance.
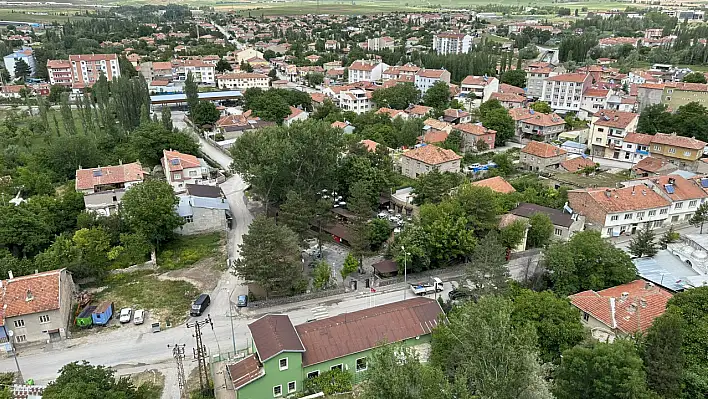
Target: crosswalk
{"points": [[319, 312]]}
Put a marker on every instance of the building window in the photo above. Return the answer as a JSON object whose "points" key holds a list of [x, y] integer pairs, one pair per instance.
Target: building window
{"points": [[361, 364], [292, 386], [586, 316], [558, 232], [277, 390], [283, 364], [674, 219], [657, 148], [192, 173], [640, 215], [672, 150], [44, 318], [19, 323], [609, 231], [188, 218], [614, 218], [339, 367], [627, 216], [678, 205], [692, 203], [313, 374], [652, 213], [177, 176], [20, 338], [663, 211]]}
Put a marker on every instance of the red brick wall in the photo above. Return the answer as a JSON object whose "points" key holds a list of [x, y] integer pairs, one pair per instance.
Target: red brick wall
{"points": [[582, 203]]}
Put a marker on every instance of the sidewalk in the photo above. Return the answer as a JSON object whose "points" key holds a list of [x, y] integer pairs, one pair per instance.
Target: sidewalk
{"points": [[683, 229]]}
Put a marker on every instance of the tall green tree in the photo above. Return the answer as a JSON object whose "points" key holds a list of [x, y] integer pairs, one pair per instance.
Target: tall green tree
{"points": [[514, 77], [399, 96], [149, 140], [513, 234], [482, 347], [191, 91], [601, 370], [540, 230], [587, 262], [22, 69], [126, 67], [321, 275], [486, 273], [223, 66], [700, 217], [542, 107], [166, 118], [82, 380], [663, 355], [655, 119], [695, 77], [270, 257], [437, 96], [205, 113], [434, 186], [498, 118], [67, 116], [643, 243], [150, 210]]}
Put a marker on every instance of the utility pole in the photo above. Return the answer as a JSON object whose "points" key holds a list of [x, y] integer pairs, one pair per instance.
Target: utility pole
{"points": [[178, 354], [200, 352]]}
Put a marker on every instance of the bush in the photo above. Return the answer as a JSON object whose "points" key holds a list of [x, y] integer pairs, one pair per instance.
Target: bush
{"points": [[329, 382]]}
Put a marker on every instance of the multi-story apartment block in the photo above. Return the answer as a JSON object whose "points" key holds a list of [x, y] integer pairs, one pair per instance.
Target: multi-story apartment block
{"points": [[536, 125], [366, 71], [87, 68], [203, 72], [684, 152], [25, 54], [608, 129], [242, 81], [593, 100], [426, 78], [565, 92], [536, 74], [478, 89], [452, 43], [398, 72], [60, 72], [678, 94], [356, 100], [684, 195], [380, 43]]}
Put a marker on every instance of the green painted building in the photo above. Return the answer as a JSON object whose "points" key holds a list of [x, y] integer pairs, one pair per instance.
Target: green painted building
{"points": [[286, 355]]}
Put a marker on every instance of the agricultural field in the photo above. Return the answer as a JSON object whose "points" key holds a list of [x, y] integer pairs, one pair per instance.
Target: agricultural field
{"points": [[42, 15]]}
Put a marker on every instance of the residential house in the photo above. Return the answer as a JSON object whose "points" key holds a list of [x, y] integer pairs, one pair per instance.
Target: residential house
{"points": [[650, 166], [536, 75], [685, 195], [296, 114], [60, 72], [284, 356], [456, 116], [203, 73], [103, 187], [635, 147], [538, 126], [25, 54], [366, 71], [684, 152], [370, 145], [426, 78], [618, 211], [346, 127], [241, 80], [477, 89], [509, 100], [608, 130], [425, 158], [577, 164], [356, 100], [621, 311], [564, 92], [677, 94], [380, 43], [181, 169], [593, 100], [202, 213], [497, 184], [86, 69], [542, 157], [36, 308], [452, 43], [232, 126], [392, 113], [565, 224], [472, 133], [419, 111], [397, 72]]}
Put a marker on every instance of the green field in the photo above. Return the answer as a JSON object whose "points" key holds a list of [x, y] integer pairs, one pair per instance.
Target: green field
{"points": [[31, 14]]}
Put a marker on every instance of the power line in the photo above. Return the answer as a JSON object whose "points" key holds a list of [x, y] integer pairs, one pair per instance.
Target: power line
{"points": [[178, 354], [200, 352]]}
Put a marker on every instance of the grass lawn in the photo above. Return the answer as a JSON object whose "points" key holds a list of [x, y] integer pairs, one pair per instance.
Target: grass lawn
{"points": [[184, 251], [164, 300], [604, 179]]}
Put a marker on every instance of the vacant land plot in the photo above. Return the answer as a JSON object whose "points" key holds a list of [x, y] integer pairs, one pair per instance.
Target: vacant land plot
{"points": [[604, 179], [185, 251]]}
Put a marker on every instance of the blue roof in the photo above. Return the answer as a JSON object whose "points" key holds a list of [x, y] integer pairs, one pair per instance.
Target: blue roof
{"points": [[184, 208], [573, 144], [209, 95]]}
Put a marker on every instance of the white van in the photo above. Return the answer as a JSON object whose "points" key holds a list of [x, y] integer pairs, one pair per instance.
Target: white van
{"points": [[139, 317]]}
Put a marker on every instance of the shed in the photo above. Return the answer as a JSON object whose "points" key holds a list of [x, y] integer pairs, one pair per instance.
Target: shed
{"points": [[385, 268], [84, 319], [102, 313]]}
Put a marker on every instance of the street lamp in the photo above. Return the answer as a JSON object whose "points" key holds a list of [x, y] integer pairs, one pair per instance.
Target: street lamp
{"points": [[405, 270], [14, 354], [231, 317]]}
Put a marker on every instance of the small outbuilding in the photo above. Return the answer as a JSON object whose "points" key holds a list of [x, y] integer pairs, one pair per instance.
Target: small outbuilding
{"points": [[103, 313], [385, 268]]}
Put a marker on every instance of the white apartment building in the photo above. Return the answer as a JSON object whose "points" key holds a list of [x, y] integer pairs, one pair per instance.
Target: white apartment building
{"points": [[608, 128], [25, 54], [478, 89], [380, 43], [366, 71], [452, 43], [593, 100], [565, 92], [239, 80], [536, 75], [426, 78], [59, 72], [355, 100], [204, 73]]}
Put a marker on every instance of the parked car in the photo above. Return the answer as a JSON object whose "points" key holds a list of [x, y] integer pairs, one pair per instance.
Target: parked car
{"points": [[125, 315], [200, 304], [458, 294], [242, 301], [139, 317]]}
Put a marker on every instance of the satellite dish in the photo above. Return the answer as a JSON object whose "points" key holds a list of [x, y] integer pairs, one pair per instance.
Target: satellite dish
{"points": [[10, 333]]}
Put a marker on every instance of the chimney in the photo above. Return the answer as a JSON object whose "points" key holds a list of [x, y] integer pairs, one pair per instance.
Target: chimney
{"points": [[672, 180], [624, 296], [608, 193], [648, 285], [10, 275]]}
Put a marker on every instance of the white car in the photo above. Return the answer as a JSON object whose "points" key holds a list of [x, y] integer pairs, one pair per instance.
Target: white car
{"points": [[125, 315], [382, 215], [139, 317]]}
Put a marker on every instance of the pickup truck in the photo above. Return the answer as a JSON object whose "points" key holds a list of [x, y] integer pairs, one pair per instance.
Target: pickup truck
{"points": [[435, 285]]}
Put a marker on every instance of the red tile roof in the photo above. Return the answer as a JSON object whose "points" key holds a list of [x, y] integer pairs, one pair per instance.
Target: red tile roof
{"points": [[636, 305], [392, 113], [518, 114], [596, 92], [632, 198], [496, 183], [638, 138], [369, 144], [508, 97], [349, 333], [476, 80], [33, 293], [542, 150], [569, 77], [419, 110], [576, 164], [362, 66], [89, 178], [432, 155], [650, 164], [545, 120], [683, 189], [616, 119], [678, 141], [431, 73], [434, 136], [185, 161], [93, 57], [58, 64], [474, 129], [507, 88], [274, 334]]}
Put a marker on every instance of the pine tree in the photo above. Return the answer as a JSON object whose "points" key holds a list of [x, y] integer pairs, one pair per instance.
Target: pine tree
{"points": [[191, 90], [643, 243], [700, 217]]}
